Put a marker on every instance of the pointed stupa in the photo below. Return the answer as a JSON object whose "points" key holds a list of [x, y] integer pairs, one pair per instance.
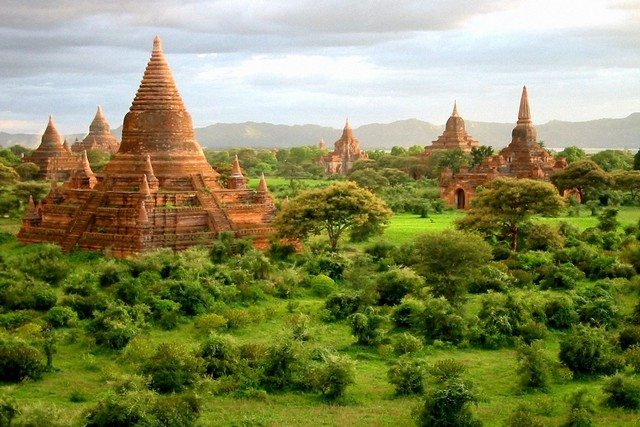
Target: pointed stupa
{"points": [[142, 213], [51, 138], [262, 185], [346, 151], [454, 113], [99, 136], [99, 123], [236, 179], [524, 132], [144, 187], [524, 113], [66, 146], [322, 145], [148, 169], [31, 206], [237, 170], [454, 136], [83, 176]]}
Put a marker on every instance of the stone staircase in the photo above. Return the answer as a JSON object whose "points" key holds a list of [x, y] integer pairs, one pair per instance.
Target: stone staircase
{"points": [[81, 221], [218, 218]]}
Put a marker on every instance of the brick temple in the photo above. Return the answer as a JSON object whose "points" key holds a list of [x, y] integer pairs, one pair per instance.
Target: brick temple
{"points": [[524, 157], [346, 152], [99, 136], [53, 156], [157, 191], [454, 136]]}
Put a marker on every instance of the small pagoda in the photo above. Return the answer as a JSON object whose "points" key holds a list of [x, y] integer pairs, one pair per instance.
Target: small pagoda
{"points": [[454, 136], [99, 136], [53, 156], [347, 151], [157, 191], [524, 157]]}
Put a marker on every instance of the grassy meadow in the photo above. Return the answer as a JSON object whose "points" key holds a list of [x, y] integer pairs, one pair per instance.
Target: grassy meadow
{"points": [[85, 372]]}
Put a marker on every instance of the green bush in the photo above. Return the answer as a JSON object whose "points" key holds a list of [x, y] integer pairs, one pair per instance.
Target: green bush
{"points": [[560, 312], [597, 306], [221, 355], [28, 295], [406, 343], [581, 410], [563, 276], [332, 375], [117, 325], [60, 317], [19, 360], [522, 417], [533, 366], [173, 368], [622, 392], [193, 298], [629, 337], [490, 278], [500, 319], [47, 263], [407, 313], [365, 326], [394, 284], [322, 285], [586, 350], [441, 321], [8, 410], [280, 364], [165, 313], [407, 375], [342, 305], [543, 237]]}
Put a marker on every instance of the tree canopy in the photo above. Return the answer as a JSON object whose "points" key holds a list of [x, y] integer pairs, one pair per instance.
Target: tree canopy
{"points": [[636, 161], [585, 176], [572, 154], [332, 210], [506, 204], [611, 160]]}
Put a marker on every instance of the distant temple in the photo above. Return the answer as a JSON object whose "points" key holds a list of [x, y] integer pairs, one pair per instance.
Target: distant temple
{"points": [[347, 151], [99, 136], [52, 156], [454, 136], [157, 191], [524, 157]]}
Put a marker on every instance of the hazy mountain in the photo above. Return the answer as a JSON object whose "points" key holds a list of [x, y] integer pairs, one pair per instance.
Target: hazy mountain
{"points": [[602, 133]]}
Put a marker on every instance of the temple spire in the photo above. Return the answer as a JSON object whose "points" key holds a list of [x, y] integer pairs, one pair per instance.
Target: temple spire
{"points": [[31, 206], [86, 166], [455, 109], [144, 187], [142, 214], [51, 135], [524, 114], [149, 170], [236, 171], [66, 146], [262, 185]]}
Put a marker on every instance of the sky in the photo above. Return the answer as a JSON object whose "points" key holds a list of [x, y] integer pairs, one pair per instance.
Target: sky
{"points": [[320, 61]]}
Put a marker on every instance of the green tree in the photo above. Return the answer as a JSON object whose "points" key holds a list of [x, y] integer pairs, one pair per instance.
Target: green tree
{"points": [[447, 259], [628, 181], [584, 176], [332, 210], [636, 161], [611, 160], [370, 179], [8, 176], [27, 170], [453, 159], [478, 154], [507, 204], [572, 154]]}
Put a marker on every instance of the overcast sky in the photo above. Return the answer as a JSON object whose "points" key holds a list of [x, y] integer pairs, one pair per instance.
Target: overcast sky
{"points": [[319, 61]]}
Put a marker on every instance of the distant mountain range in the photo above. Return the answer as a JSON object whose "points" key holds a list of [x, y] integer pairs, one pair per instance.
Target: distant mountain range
{"points": [[594, 134]]}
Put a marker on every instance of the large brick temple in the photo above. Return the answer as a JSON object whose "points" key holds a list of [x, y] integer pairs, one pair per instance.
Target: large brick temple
{"points": [[53, 156], [454, 136], [524, 157], [157, 191], [99, 136], [346, 152]]}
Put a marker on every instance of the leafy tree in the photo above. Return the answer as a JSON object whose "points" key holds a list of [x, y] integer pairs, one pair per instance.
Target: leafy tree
{"points": [[27, 170], [585, 176], [332, 210], [478, 154], [398, 151], [627, 181], [507, 204], [448, 259], [38, 190], [8, 176], [453, 159], [370, 179], [611, 160], [173, 368], [636, 161], [572, 154]]}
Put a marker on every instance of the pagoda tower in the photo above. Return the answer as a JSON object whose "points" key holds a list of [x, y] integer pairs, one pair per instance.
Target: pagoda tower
{"points": [[51, 156], [157, 191], [347, 151], [99, 136], [454, 136]]}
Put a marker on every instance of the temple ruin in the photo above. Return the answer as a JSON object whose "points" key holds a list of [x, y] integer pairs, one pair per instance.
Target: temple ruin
{"points": [[454, 136], [347, 151], [99, 136], [53, 157], [157, 191], [524, 157]]}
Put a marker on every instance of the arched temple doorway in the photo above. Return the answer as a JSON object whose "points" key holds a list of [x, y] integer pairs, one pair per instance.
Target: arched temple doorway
{"points": [[460, 198]]}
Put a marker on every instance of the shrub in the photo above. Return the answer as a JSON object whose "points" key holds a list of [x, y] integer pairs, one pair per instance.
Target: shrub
{"points": [[533, 366], [15, 318], [366, 326], [332, 265], [173, 368], [407, 375], [207, 323], [299, 326], [322, 285], [60, 317], [237, 317], [522, 417], [500, 318], [563, 276], [608, 219], [279, 365], [46, 263], [19, 360], [407, 313], [380, 249], [597, 306], [581, 410], [192, 296], [111, 273], [406, 343], [342, 305], [332, 376], [8, 410], [585, 350], [490, 278], [543, 237], [220, 354], [441, 321], [177, 410], [629, 337], [165, 313], [394, 284], [117, 325], [29, 295], [560, 312], [622, 392]]}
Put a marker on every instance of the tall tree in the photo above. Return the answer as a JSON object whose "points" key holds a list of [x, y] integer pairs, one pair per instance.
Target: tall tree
{"points": [[611, 160], [332, 210], [572, 154], [478, 154], [636, 161], [584, 176], [507, 204]]}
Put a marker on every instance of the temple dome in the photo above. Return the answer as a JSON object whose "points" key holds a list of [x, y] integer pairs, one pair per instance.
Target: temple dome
{"points": [[455, 123]]}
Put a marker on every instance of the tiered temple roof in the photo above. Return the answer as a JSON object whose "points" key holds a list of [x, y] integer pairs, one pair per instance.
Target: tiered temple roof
{"points": [[157, 191], [347, 151], [524, 157], [99, 136], [52, 157], [454, 136]]}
